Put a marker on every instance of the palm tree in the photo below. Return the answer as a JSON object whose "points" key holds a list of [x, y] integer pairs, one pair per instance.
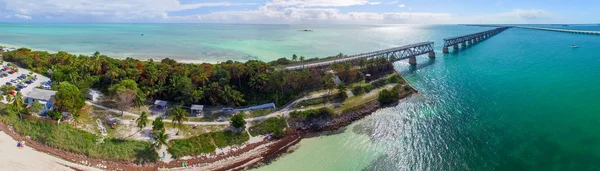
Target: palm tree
{"points": [[179, 116], [142, 121], [161, 139], [18, 103], [294, 58], [9, 98]]}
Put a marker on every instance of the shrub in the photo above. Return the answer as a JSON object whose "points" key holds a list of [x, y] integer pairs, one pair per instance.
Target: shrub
{"points": [[395, 79], [238, 121], [358, 90], [54, 115], [389, 96], [228, 138], [322, 113], [273, 126]]}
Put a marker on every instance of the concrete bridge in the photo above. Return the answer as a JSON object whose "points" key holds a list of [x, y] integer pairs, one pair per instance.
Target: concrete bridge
{"points": [[400, 53], [562, 30], [470, 38]]}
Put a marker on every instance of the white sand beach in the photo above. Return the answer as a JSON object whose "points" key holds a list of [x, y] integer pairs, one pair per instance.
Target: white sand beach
{"points": [[13, 158]]}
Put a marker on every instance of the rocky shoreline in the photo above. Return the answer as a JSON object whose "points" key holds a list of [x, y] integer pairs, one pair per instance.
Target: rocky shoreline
{"points": [[243, 157]]}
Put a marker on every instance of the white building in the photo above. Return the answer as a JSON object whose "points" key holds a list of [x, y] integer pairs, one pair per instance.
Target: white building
{"points": [[197, 110], [93, 95], [44, 97]]}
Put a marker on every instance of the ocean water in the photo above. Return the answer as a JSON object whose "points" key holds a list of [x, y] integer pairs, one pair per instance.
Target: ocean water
{"points": [[521, 100], [213, 42]]}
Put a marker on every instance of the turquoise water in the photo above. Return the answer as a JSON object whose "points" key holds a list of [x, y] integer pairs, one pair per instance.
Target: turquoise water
{"points": [[521, 100], [212, 42]]}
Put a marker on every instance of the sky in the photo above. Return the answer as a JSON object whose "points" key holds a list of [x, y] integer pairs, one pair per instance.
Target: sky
{"points": [[302, 11]]}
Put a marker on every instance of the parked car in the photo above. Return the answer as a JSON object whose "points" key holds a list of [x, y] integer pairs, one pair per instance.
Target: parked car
{"points": [[5, 74], [8, 83], [14, 81]]}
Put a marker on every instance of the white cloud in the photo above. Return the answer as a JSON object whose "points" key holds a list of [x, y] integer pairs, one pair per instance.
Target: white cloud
{"points": [[316, 3], [516, 16], [116, 9], [401, 5], [18, 16], [374, 3], [393, 2]]}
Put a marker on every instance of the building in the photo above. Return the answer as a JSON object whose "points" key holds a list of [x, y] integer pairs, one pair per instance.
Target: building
{"points": [[93, 95], [160, 104], [44, 97], [197, 110]]}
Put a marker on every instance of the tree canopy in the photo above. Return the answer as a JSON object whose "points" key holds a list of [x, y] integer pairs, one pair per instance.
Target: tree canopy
{"points": [[68, 98]]}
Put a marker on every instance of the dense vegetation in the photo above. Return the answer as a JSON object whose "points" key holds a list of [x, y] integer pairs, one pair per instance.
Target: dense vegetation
{"points": [[274, 126], [65, 137], [206, 143], [227, 83], [318, 114], [389, 96]]}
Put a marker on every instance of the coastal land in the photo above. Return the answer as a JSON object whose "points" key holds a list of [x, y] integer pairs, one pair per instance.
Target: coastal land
{"points": [[311, 101]]}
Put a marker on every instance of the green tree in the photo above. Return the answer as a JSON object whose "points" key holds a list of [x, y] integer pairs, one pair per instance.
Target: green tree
{"points": [[161, 139], [9, 98], [158, 125], [69, 98], [328, 82], [341, 87], [18, 103], [294, 58], [237, 121], [36, 107], [142, 121], [179, 117], [7, 88]]}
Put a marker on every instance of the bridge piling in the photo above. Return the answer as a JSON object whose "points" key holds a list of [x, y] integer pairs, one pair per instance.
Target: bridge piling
{"points": [[412, 60], [455, 46], [431, 54], [463, 44], [445, 50]]}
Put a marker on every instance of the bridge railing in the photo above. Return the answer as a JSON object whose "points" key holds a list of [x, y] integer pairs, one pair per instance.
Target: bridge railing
{"points": [[314, 64], [458, 39]]}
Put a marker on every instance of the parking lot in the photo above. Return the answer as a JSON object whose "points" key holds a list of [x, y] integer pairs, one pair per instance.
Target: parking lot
{"points": [[40, 79]]}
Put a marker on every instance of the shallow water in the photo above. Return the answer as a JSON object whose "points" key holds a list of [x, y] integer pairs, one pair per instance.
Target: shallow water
{"points": [[521, 100]]}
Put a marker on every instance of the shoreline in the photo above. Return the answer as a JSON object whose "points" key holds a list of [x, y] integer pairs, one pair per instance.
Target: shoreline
{"points": [[247, 155]]}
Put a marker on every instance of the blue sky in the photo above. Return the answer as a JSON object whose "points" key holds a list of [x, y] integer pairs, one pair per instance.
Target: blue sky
{"points": [[302, 11]]}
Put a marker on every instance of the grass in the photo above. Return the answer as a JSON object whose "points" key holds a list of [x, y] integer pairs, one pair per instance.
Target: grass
{"points": [[206, 143], [259, 113], [66, 137], [273, 126], [189, 131]]}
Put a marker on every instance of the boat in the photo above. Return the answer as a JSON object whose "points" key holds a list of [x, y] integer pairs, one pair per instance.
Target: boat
{"points": [[573, 46]]}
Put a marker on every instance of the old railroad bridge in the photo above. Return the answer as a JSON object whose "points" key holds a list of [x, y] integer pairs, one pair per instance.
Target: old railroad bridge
{"points": [[411, 51]]}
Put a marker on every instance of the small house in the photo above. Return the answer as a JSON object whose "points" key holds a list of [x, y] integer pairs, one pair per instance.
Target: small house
{"points": [[93, 95], [197, 110], [44, 97], [160, 104]]}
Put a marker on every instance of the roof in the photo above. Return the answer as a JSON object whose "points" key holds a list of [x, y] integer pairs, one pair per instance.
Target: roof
{"points": [[160, 103], [94, 92], [41, 94], [197, 107]]}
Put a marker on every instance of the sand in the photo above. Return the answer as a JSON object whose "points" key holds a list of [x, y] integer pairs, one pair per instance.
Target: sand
{"points": [[13, 158]]}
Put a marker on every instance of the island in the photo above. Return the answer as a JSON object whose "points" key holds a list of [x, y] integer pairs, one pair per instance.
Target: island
{"points": [[128, 114]]}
